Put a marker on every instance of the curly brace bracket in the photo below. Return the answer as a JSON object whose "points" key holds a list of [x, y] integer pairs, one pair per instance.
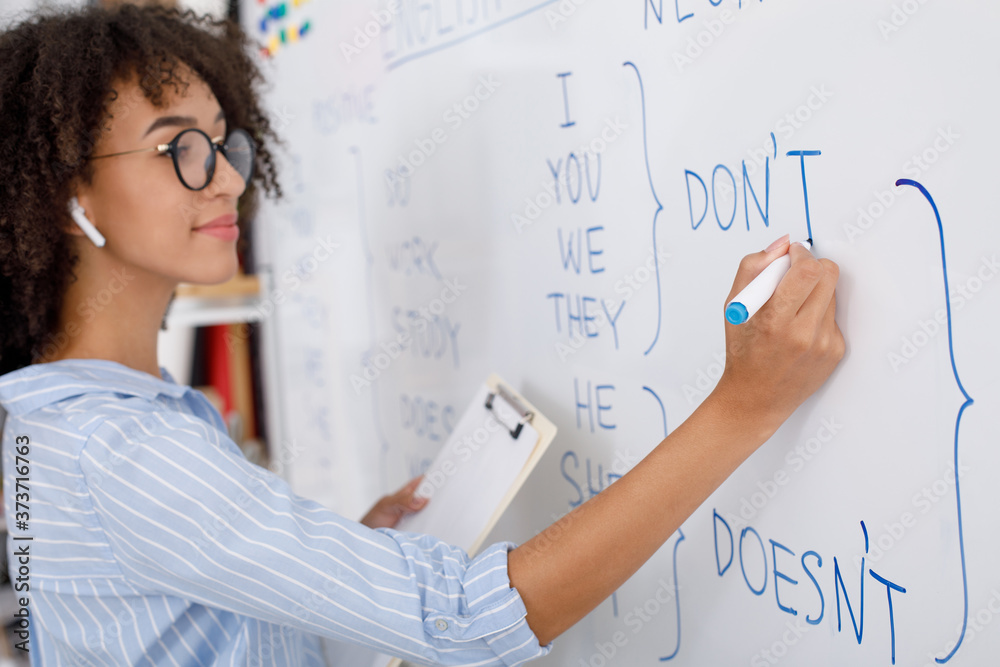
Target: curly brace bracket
{"points": [[958, 422]]}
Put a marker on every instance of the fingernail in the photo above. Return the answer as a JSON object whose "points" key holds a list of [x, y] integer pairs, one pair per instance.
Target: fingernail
{"points": [[777, 244]]}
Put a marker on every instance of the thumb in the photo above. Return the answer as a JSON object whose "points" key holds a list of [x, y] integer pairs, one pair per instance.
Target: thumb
{"points": [[412, 485], [753, 264], [408, 497]]}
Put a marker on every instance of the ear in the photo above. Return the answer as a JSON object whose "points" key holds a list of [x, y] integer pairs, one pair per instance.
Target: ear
{"points": [[83, 197], [82, 223]]}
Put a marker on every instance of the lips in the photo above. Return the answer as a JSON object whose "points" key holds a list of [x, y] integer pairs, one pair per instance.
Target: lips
{"points": [[222, 221]]}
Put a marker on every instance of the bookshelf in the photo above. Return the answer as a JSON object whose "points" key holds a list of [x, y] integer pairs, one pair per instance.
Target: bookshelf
{"points": [[236, 300]]}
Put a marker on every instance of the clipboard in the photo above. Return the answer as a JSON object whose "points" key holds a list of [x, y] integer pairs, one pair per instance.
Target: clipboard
{"points": [[481, 467]]}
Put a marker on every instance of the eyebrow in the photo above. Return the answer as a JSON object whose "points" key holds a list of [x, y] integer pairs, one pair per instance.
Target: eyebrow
{"points": [[164, 121]]}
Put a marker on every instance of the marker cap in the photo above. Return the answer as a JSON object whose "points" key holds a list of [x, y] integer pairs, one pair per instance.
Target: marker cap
{"points": [[737, 313]]}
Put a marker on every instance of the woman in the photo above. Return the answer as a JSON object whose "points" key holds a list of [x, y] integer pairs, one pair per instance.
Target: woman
{"points": [[132, 139]]}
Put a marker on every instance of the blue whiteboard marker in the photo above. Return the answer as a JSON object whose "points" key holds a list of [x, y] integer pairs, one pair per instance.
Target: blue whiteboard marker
{"points": [[753, 296]]}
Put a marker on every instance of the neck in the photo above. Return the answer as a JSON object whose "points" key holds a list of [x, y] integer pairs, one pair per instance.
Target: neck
{"points": [[112, 311]]}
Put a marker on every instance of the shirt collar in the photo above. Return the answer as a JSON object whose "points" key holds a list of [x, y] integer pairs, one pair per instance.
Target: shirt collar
{"points": [[38, 385]]}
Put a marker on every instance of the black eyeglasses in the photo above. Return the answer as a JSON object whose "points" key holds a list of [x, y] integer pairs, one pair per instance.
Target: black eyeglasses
{"points": [[194, 155]]}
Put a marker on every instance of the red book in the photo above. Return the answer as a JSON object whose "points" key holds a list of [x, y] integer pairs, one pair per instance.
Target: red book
{"points": [[217, 360]]}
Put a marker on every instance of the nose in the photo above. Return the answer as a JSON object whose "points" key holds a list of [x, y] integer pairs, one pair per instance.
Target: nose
{"points": [[226, 179]]}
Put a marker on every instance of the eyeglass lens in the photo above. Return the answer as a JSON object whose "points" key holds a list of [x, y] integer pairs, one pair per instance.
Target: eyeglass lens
{"points": [[196, 159]]}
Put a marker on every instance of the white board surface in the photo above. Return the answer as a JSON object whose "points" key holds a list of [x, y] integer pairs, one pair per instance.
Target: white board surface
{"points": [[601, 299]]}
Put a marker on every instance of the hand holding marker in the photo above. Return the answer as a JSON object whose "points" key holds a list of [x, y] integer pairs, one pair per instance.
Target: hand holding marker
{"points": [[753, 296]]}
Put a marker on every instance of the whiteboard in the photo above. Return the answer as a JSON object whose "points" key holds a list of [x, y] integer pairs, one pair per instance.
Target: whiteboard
{"points": [[560, 192]]}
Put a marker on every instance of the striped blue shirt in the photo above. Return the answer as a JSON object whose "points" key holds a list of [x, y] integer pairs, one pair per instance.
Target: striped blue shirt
{"points": [[155, 542]]}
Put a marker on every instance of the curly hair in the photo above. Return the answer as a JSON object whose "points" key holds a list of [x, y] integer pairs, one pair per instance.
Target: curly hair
{"points": [[57, 70]]}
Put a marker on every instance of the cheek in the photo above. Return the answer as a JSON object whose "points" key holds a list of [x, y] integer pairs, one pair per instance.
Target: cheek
{"points": [[148, 211]]}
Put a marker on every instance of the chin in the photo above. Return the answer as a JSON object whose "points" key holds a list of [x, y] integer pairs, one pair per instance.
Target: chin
{"points": [[213, 273]]}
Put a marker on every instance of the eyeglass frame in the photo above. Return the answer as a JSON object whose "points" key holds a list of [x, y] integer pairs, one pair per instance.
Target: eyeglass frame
{"points": [[216, 145]]}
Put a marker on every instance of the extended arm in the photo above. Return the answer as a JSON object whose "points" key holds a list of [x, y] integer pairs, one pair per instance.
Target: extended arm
{"points": [[773, 363]]}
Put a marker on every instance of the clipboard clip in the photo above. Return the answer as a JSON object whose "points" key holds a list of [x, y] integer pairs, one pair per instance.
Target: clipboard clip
{"points": [[524, 415]]}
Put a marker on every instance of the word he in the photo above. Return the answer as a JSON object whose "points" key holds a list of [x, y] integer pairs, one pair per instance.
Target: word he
{"points": [[592, 399]]}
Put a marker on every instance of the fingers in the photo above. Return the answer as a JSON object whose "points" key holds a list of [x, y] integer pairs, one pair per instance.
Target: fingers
{"points": [[412, 485], [830, 341], [829, 317], [391, 508], [803, 276], [817, 304], [838, 344], [407, 495], [753, 264]]}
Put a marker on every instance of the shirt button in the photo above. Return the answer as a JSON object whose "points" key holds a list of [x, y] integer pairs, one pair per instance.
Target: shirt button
{"points": [[441, 624]]}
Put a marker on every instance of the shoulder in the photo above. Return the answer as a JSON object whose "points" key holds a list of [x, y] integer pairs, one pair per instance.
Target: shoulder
{"points": [[158, 428], [161, 449], [38, 385], [82, 393]]}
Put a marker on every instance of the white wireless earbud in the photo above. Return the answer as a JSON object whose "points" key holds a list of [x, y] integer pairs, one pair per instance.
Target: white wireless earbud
{"points": [[86, 225]]}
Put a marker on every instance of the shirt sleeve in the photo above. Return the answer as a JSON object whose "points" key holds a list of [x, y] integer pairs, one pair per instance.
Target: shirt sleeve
{"points": [[187, 515]]}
